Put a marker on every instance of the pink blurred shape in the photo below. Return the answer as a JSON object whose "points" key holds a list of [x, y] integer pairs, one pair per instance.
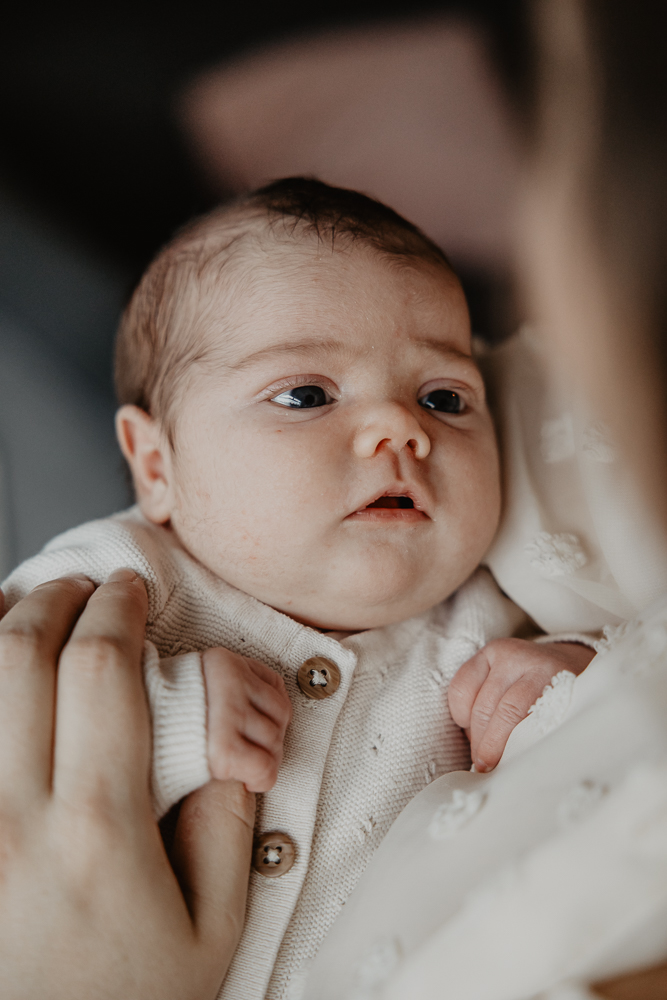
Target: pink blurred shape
{"points": [[408, 112]]}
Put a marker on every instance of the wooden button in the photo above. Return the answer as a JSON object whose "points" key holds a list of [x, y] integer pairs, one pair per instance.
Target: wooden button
{"points": [[318, 677], [273, 855]]}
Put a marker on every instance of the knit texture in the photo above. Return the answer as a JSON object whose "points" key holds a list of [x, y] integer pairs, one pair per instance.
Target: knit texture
{"points": [[351, 761], [177, 698]]}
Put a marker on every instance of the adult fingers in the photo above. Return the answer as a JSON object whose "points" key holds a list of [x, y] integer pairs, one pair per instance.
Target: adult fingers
{"points": [[102, 729], [211, 857], [32, 635], [511, 708], [465, 686]]}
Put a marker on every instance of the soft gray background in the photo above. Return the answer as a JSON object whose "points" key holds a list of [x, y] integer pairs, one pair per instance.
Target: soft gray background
{"points": [[59, 464]]}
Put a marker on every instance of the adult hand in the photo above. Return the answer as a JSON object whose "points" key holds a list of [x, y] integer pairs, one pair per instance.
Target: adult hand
{"points": [[491, 693], [90, 907]]}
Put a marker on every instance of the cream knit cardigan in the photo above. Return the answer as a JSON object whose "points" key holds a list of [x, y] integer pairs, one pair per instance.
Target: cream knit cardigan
{"points": [[352, 761]]}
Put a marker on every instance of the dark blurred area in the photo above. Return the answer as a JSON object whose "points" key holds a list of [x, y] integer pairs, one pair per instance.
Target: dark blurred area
{"points": [[96, 172], [87, 96]]}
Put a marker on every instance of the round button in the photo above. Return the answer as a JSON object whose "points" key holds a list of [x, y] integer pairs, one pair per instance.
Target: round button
{"points": [[273, 854], [318, 677]]}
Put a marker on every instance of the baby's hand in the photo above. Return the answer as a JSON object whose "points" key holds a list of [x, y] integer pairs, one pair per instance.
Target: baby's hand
{"points": [[492, 692], [248, 713]]}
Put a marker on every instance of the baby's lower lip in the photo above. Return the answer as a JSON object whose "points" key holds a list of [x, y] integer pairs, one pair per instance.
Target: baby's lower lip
{"points": [[388, 515]]}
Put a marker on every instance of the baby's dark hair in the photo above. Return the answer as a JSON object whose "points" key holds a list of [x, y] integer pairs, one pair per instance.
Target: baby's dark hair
{"points": [[161, 334]]}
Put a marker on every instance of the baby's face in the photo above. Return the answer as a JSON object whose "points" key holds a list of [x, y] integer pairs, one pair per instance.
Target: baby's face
{"points": [[339, 462]]}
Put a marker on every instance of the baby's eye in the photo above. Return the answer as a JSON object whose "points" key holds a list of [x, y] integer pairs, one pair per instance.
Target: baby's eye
{"points": [[303, 397], [443, 400]]}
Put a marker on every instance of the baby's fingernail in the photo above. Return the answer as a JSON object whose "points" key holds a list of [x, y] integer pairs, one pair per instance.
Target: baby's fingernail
{"points": [[481, 767], [122, 576]]}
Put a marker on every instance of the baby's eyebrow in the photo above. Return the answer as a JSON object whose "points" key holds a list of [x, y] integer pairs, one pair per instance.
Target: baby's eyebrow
{"points": [[449, 351], [329, 347], [311, 346]]}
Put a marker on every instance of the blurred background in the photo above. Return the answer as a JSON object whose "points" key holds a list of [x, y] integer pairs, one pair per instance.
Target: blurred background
{"points": [[121, 120]]}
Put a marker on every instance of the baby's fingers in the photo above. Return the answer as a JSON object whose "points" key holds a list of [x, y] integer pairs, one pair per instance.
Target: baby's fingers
{"points": [[262, 731], [269, 694], [512, 708], [244, 761], [465, 686]]}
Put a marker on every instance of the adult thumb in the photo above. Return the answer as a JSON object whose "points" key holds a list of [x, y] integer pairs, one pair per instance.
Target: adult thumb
{"points": [[211, 857]]}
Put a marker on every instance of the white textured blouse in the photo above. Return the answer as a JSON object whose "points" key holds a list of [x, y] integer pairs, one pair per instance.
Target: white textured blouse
{"points": [[547, 873], [352, 761]]}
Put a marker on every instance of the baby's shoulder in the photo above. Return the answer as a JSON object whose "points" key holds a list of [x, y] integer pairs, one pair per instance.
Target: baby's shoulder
{"points": [[97, 549]]}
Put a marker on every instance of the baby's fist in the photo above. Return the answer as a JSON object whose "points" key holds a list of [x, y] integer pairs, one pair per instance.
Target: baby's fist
{"points": [[248, 713], [492, 692]]}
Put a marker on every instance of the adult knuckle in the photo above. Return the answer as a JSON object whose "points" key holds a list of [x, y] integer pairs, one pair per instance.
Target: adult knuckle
{"points": [[95, 654], [19, 644], [12, 843], [458, 690]]}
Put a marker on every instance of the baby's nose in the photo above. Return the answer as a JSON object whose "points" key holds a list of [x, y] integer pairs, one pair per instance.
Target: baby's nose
{"points": [[392, 426]]}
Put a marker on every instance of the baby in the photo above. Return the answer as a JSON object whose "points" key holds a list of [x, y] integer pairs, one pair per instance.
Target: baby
{"points": [[317, 482]]}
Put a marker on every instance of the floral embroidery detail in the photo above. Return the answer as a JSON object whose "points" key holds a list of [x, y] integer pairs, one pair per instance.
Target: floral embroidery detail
{"points": [[579, 803], [551, 707], [297, 982], [611, 634], [365, 829], [437, 678], [557, 439], [555, 555], [430, 771], [451, 816], [645, 648], [597, 443], [375, 969]]}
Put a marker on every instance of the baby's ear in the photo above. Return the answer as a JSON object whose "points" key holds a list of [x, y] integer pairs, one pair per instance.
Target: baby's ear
{"points": [[148, 454]]}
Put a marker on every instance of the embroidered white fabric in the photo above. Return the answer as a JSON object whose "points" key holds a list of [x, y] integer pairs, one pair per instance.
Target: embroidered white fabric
{"points": [[375, 969], [555, 555], [451, 816], [550, 708], [579, 803]]}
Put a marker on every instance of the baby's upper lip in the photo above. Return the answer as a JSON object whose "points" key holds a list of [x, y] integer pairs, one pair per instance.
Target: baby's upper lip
{"points": [[398, 490]]}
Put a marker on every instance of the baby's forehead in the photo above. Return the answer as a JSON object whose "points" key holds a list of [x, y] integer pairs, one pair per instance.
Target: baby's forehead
{"points": [[299, 296], [267, 263]]}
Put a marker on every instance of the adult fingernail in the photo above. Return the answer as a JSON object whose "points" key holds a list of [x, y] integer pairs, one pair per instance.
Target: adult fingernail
{"points": [[122, 576], [83, 580]]}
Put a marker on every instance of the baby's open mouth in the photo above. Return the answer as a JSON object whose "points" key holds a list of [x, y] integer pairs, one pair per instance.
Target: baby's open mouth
{"points": [[394, 503], [392, 508]]}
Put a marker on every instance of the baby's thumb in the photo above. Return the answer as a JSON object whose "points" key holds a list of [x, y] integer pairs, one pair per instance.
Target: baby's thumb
{"points": [[211, 856]]}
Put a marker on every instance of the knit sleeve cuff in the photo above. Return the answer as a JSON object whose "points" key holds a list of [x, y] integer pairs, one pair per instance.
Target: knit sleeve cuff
{"points": [[177, 699], [583, 638]]}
